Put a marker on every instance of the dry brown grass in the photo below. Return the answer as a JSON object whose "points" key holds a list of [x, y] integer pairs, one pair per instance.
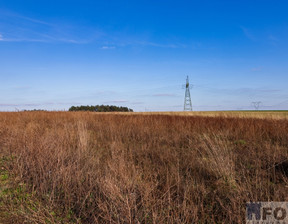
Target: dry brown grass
{"points": [[279, 115], [124, 168]]}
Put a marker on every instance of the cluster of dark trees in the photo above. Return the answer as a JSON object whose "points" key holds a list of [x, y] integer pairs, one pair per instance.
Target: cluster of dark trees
{"points": [[100, 108], [34, 110]]}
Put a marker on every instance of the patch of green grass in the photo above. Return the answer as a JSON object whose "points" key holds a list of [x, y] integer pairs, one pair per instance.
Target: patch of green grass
{"points": [[4, 176], [240, 142], [18, 203]]}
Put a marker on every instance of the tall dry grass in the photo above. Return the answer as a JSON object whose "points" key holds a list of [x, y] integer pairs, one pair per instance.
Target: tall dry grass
{"points": [[117, 168]]}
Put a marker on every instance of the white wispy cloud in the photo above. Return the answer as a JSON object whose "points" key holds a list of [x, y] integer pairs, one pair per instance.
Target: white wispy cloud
{"points": [[273, 38], [33, 20], [248, 33], [117, 101], [245, 90], [19, 105], [11, 14], [108, 47], [37, 104], [154, 44], [138, 43], [19, 28], [138, 102], [165, 95]]}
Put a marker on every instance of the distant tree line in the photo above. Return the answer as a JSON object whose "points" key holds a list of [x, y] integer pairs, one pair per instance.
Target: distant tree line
{"points": [[34, 110], [100, 108]]}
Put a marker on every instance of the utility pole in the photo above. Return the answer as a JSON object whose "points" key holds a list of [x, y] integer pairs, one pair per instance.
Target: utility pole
{"points": [[187, 100]]}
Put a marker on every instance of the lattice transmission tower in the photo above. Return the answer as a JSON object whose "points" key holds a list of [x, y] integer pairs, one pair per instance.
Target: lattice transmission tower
{"points": [[256, 104], [187, 100]]}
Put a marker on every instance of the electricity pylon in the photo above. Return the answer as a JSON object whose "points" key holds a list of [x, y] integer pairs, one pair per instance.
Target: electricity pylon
{"points": [[187, 100], [256, 104]]}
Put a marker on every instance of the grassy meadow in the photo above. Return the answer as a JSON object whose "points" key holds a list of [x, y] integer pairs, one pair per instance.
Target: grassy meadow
{"points": [[198, 167]]}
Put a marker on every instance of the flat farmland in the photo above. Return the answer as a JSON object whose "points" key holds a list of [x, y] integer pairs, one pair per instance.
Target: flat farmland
{"points": [[266, 114], [170, 167]]}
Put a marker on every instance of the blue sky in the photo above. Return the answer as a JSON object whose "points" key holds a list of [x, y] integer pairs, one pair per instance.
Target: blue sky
{"points": [[55, 54]]}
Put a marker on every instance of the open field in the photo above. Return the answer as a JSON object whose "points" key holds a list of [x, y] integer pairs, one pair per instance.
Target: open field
{"points": [[78, 167], [263, 114], [268, 114]]}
